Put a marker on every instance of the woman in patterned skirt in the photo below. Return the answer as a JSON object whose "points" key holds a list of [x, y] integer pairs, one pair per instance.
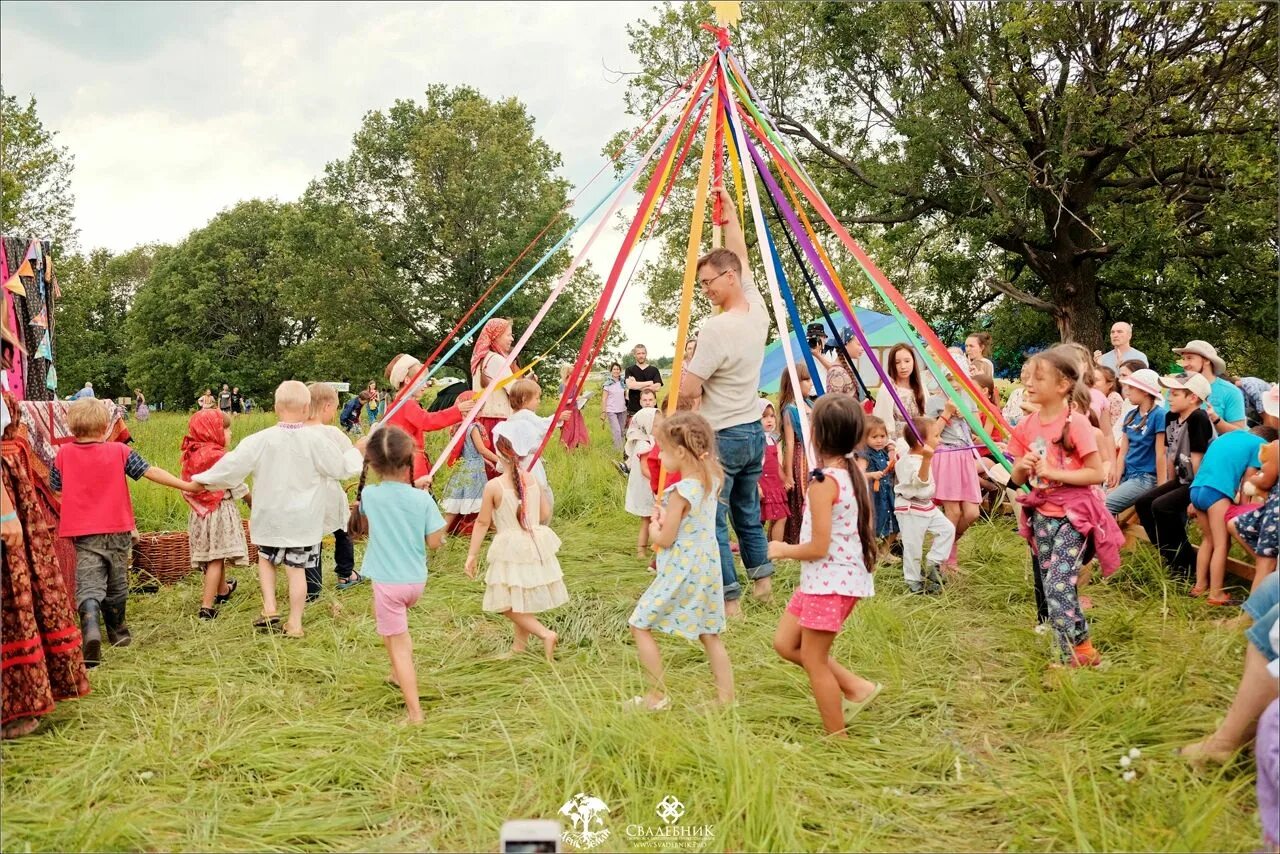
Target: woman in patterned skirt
{"points": [[40, 661]]}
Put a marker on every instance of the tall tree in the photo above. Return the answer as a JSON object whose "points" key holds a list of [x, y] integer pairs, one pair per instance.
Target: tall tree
{"points": [[213, 310], [35, 176], [448, 193], [91, 318], [1087, 161]]}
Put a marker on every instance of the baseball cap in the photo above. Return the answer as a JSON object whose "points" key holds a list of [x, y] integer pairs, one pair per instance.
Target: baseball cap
{"points": [[1205, 350], [1144, 379], [1194, 383]]}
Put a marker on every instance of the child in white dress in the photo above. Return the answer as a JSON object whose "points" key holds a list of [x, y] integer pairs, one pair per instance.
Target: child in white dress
{"points": [[524, 577], [639, 443]]}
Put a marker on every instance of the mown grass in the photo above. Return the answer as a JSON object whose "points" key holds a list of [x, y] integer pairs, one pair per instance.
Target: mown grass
{"points": [[205, 736]]}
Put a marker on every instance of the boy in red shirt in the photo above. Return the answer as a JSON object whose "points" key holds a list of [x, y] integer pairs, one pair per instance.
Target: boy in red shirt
{"points": [[98, 515]]}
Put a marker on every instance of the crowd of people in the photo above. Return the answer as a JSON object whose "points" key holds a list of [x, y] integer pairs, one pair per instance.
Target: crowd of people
{"points": [[844, 484]]}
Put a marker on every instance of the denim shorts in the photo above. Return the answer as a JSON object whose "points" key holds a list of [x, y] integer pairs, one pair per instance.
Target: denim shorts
{"points": [[1263, 605]]}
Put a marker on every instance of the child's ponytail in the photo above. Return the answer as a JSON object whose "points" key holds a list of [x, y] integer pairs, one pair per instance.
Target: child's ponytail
{"points": [[357, 522], [512, 462], [866, 515], [837, 431]]}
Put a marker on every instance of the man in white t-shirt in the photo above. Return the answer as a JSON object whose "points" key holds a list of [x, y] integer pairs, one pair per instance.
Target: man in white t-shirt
{"points": [[1121, 335], [723, 376]]}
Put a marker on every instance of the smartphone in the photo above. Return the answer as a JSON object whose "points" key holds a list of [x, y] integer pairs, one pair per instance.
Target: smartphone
{"points": [[530, 836]]}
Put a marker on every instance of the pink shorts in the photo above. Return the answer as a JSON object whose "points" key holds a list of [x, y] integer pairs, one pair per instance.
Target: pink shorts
{"points": [[821, 612], [391, 604]]}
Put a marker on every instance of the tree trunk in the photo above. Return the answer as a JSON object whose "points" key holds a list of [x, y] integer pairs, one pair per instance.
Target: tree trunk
{"points": [[1078, 315]]}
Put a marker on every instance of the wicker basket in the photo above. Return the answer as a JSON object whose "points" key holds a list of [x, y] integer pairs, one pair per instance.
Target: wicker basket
{"points": [[166, 557]]}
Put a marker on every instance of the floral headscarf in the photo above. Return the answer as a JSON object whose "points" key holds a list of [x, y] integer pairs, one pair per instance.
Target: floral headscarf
{"points": [[486, 341]]}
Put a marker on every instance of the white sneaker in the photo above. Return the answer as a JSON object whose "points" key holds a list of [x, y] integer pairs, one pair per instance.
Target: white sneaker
{"points": [[1042, 628]]}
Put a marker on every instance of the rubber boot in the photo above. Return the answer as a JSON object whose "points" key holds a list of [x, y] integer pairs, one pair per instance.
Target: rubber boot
{"points": [[932, 578], [117, 631], [91, 632]]}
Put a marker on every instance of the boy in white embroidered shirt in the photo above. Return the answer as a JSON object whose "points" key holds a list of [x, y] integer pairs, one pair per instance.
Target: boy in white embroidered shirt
{"points": [[915, 511], [292, 467]]}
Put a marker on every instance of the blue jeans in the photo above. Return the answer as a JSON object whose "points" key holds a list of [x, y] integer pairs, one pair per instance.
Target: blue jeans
{"points": [[1128, 491], [741, 450], [1263, 605]]}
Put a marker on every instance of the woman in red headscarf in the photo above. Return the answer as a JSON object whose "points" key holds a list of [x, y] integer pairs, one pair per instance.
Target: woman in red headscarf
{"points": [[488, 366], [214, 529], [413, 419]]}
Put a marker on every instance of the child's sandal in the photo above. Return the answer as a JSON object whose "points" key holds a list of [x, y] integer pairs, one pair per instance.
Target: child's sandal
{"points": [[267, 622], [1197, 592], [208, 613], [223, 598]]}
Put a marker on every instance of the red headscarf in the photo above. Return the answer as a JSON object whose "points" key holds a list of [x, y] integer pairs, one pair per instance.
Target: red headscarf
{"points": [[204, 445], [493, 330]]}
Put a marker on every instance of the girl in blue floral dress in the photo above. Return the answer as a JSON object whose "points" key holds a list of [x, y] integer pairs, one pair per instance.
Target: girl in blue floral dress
{"points": [[687, 597], [466, 487]]}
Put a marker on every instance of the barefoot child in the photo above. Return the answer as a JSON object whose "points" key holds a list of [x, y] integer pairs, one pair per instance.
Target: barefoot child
{"points": [[837, 553], [1056, 450], [687, 597], [916, 512], [98, 515], [290, 465], [1230, 459], [400, 519], [214, 529], [524, 577]]}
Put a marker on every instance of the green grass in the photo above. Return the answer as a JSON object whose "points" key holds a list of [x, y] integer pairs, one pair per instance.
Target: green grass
{"points": [[205, 736]]}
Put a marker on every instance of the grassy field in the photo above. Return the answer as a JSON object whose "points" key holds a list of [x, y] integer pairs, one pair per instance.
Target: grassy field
{"points": [[206, 736]]}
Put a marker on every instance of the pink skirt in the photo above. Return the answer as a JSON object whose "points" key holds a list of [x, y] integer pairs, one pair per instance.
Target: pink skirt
{"points": [[956, 476]]}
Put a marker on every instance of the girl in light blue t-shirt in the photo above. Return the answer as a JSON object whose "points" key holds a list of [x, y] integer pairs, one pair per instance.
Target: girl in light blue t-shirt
{"points": [[401, 522]]}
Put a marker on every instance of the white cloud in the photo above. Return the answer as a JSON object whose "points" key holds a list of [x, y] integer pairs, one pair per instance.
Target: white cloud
{"points": [[175, 112]]}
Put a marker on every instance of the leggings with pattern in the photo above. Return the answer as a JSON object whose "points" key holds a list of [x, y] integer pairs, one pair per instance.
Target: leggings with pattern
{"points": [[1058, 549]]}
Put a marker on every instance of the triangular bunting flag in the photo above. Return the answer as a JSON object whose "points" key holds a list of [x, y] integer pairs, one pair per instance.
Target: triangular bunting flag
{"points": [[51, 380], [25, 270], [15, 285], [33, 251], [44, 351], [41, 319]]}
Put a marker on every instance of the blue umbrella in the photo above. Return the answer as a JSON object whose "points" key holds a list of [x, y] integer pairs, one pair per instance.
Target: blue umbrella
{"points": [[872, 322]]}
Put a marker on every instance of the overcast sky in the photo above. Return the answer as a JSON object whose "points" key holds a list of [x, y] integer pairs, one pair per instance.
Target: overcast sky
{"points": [[175, 111]]}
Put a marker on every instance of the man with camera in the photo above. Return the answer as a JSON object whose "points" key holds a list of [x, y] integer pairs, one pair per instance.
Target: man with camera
{"points": [[835, 372]]}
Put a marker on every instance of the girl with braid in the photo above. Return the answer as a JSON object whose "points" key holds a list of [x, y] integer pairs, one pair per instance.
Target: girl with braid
{"points": [[524, 577], [837, 554], [401, 522]]}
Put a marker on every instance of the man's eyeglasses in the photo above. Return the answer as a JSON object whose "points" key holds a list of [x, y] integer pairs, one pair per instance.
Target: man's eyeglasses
{"points": [[706, 282]]}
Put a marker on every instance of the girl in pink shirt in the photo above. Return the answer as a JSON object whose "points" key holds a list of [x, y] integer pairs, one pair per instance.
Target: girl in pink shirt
{"points": [[1056, 450]]}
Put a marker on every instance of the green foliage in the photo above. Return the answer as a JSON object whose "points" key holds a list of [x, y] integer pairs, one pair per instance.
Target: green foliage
{"points": [[91, 321], [205, 736], [449, 193], [1090, 162], [213, 312], [35, 176]]}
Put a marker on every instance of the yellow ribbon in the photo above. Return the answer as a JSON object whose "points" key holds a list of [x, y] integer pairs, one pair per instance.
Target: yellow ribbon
{"points": [[691, 267]]}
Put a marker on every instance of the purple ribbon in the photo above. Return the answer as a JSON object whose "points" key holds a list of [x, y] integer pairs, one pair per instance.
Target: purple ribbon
{"points": [[816, 260]]}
